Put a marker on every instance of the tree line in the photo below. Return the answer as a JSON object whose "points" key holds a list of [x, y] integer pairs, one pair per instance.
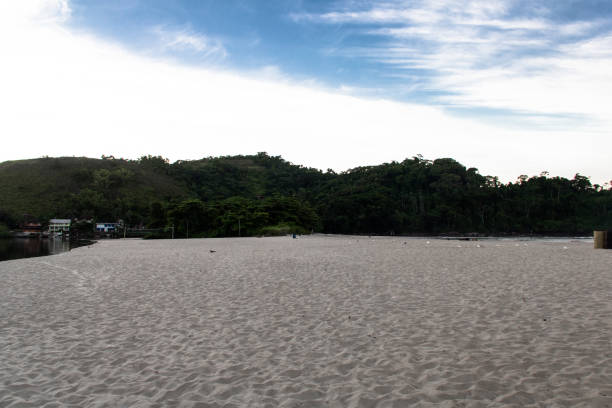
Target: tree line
{"points": [[266, 195]]}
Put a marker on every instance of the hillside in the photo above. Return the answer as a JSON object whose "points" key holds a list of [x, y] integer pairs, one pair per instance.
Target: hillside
{"points": [[144, 191], [255, 176], [82, 187], [258, 194]]}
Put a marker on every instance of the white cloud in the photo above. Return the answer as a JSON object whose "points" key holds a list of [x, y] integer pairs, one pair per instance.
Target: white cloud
{"points": [[483, 57], [34, 11], [186, 40], [375, 15], [414, 12], [578, 28], [73, 94]]}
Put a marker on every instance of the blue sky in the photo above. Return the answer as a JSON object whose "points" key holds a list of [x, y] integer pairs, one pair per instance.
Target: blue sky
{"points": [[405, 50], [508, 86]]}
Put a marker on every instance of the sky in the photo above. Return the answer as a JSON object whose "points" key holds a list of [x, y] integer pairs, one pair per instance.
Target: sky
{"points": [[510, 87]]}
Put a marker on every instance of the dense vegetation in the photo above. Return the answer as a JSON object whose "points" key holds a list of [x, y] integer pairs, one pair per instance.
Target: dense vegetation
{"points": [[260, 194]]}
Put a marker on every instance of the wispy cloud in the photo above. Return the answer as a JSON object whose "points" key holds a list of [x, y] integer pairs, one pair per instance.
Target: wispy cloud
{"points": [[186, 40], [486, 53]]}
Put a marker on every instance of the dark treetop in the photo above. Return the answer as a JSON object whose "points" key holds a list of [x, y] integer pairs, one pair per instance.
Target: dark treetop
{"points": [[260, 194]]}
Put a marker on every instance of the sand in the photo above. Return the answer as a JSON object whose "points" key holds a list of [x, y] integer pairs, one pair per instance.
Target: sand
{"points": [[318, 321]]}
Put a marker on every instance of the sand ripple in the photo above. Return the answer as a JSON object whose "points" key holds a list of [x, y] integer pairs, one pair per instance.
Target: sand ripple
{"points": [[313, 322]]}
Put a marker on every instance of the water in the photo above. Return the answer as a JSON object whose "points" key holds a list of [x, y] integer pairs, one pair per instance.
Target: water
{"points": [[15, 248]]}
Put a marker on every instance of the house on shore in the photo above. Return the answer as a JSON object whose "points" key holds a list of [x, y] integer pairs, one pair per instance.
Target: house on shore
{"points": [[59, 226], [30, 229], [107, 227]]}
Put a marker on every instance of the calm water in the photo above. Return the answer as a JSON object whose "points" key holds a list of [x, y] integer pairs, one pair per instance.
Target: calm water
{"points": [[15, 248]]}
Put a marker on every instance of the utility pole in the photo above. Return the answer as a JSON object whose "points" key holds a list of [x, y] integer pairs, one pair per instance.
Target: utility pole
{"points": [[238, 226], [172, 231]]}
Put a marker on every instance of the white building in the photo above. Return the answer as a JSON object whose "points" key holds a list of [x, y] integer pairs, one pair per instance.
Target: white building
{"points": [[107, 227], [57, 225]]}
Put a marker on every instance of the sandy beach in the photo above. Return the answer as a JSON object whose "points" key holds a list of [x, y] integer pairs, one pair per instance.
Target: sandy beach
{"points": [[319, 321]]}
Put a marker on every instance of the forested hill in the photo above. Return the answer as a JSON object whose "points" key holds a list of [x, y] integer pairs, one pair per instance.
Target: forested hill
{"points": [[260, 194]]}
